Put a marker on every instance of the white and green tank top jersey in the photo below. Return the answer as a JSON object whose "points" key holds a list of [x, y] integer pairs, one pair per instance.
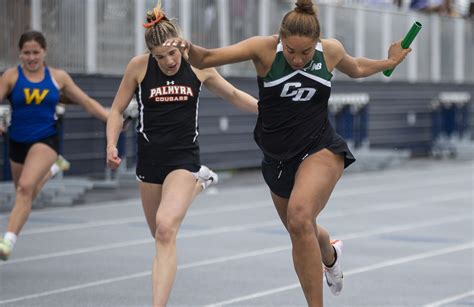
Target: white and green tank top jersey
{"points": [[293, 106]]}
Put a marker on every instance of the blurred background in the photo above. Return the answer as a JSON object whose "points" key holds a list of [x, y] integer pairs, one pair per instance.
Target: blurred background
{"points": [[424, 110]]}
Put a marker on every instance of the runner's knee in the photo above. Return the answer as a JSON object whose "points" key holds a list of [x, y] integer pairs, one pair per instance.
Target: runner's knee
{"points": [[25, 188], [300, 223], [165, 232]]}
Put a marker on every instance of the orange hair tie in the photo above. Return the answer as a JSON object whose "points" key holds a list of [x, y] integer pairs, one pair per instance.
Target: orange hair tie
{"points": [[158, 15]]}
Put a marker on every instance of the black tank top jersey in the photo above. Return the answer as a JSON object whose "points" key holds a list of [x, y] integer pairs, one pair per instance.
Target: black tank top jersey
{"points": [[293, 106], [168, 116]]}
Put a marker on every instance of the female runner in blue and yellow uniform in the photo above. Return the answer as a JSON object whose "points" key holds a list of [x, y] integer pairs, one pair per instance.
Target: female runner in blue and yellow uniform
{"points": [[34, 89], [303, 156]]}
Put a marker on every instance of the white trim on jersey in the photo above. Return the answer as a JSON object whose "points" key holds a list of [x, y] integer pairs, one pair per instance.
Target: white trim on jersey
{"points": [[318, 47], [279, 47], [54, 81], [283, 79], [141, 107], [197, 113]]}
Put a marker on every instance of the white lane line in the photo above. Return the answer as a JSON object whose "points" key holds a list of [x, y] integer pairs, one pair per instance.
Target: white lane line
{"points": [[450, 299], [220, 230], [390, 186], [255, 253], [85, 225], [76, 251], [141, 218], [383, 185], [364, 269], [255, 205], [85, 207], [263, 224], [395, 205], [254, 295], [213, 261], [404, 227], [184, 235], [405, 173], [420, 256], [148, 273], [73, 288], [350, 177]]}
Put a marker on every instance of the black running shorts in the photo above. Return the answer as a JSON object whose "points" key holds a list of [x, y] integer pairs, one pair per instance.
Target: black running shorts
{"points": [[19, 151], [156, 173], [280, 175]]}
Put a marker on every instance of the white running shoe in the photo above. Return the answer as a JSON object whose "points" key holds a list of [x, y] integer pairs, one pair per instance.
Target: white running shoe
{"points": [[5, 249], [206, 177], [62, 163], [334, 276]]}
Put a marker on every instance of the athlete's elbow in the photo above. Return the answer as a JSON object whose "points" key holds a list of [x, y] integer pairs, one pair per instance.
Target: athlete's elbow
{"points": [[356, 73], [197, 63], [203, 63], [235, 98]]}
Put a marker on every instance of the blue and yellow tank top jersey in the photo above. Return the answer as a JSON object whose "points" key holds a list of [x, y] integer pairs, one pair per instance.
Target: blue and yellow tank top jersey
{"points": [[293, 106], [33, 108]]}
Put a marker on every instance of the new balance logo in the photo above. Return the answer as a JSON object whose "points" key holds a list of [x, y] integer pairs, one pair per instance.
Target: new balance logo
{"points": [[313, 66], [316, 66], [294, 89]]}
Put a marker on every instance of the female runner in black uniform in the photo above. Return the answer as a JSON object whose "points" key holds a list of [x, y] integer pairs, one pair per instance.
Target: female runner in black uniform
{"points": [[167, 89], [303, 156]]}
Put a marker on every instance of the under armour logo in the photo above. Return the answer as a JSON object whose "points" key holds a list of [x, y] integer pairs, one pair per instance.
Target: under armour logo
{"points": [[169, 82]]}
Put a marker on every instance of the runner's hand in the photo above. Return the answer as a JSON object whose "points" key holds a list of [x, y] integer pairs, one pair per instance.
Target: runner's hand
{"points": [[113, 160], [397, 54], [180, 43]]}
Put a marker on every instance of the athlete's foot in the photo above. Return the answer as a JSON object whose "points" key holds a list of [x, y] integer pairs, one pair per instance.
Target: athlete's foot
{"points": [[5, 249], [334, 276], [206, 177]]}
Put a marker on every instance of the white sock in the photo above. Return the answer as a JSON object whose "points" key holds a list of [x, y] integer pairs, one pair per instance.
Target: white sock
{"points": [[54, 169], [10, 237]]}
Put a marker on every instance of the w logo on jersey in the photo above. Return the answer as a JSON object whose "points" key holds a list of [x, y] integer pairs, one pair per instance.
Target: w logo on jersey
{"points": [[294, 89], [35, 95]]}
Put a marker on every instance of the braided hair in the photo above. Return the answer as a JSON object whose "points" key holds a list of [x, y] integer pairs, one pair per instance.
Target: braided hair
{"points": [[159, 27]]}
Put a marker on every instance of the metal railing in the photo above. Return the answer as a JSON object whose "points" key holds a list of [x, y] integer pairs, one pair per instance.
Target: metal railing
{"points": [[100, 36], [450, 117]]}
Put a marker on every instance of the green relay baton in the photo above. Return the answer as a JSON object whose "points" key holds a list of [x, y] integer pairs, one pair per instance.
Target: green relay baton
{"points": [[406, 42]]}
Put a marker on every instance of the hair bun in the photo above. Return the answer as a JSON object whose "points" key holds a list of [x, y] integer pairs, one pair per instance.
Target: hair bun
{"points": [[154, 17], [305, 6], [154, 14]]}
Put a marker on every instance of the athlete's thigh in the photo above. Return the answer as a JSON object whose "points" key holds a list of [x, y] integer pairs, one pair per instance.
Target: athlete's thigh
{"points": [[16, 168], [151, 196], [315, 179], [281, 206], [177, 195], [37, 164]]}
